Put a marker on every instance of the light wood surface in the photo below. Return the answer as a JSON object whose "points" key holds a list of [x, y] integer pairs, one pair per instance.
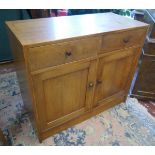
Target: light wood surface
{"points": [[76, 66], [61, 53], [119, 40], [111, 69], [63, 93], [39, 31]]}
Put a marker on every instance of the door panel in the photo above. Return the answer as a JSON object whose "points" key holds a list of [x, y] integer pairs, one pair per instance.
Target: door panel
{"points": [[112, 75], [68, 94], [62, 93]]}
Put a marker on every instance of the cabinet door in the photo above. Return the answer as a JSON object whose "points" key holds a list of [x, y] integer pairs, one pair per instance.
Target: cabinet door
{"points": [[114, 73], [63, 93]]}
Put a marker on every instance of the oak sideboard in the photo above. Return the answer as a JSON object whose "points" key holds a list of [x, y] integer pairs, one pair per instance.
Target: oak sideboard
{"points": [[74, 67]]}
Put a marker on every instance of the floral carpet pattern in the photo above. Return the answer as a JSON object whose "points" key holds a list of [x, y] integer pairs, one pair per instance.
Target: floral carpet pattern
{"points": [[128, 123]]}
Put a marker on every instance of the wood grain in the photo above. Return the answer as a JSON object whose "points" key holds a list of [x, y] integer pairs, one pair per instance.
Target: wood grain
{"points": [[46, 30], [112, 74], [93, 76], [119, 40], [115, 100], [55, 54], [61, 94]]}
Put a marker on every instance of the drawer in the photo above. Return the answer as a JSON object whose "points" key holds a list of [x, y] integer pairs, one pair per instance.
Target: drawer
{"points": [[60, 53], [119, 40]]}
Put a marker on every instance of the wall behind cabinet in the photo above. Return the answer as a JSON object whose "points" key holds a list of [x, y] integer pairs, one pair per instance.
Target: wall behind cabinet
{"points": [[5, 15]]}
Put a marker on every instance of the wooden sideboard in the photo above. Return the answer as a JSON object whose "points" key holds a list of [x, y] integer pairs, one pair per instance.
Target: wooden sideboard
{"points": [[76, 66]]}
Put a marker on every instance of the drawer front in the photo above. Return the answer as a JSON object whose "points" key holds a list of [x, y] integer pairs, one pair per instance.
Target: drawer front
{"points": [[61, 53], [119, 40]]}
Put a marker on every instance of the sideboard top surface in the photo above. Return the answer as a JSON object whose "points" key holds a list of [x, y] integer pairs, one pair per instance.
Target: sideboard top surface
{"points": [[43, 30]]}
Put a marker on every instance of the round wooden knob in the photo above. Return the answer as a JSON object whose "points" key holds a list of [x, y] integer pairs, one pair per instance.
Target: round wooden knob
{"points": [[126, 40], [91, 84], [68, 53]]}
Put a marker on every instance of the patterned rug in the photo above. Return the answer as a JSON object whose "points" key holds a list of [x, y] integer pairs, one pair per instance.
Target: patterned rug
{"points": [[126, 124]]}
